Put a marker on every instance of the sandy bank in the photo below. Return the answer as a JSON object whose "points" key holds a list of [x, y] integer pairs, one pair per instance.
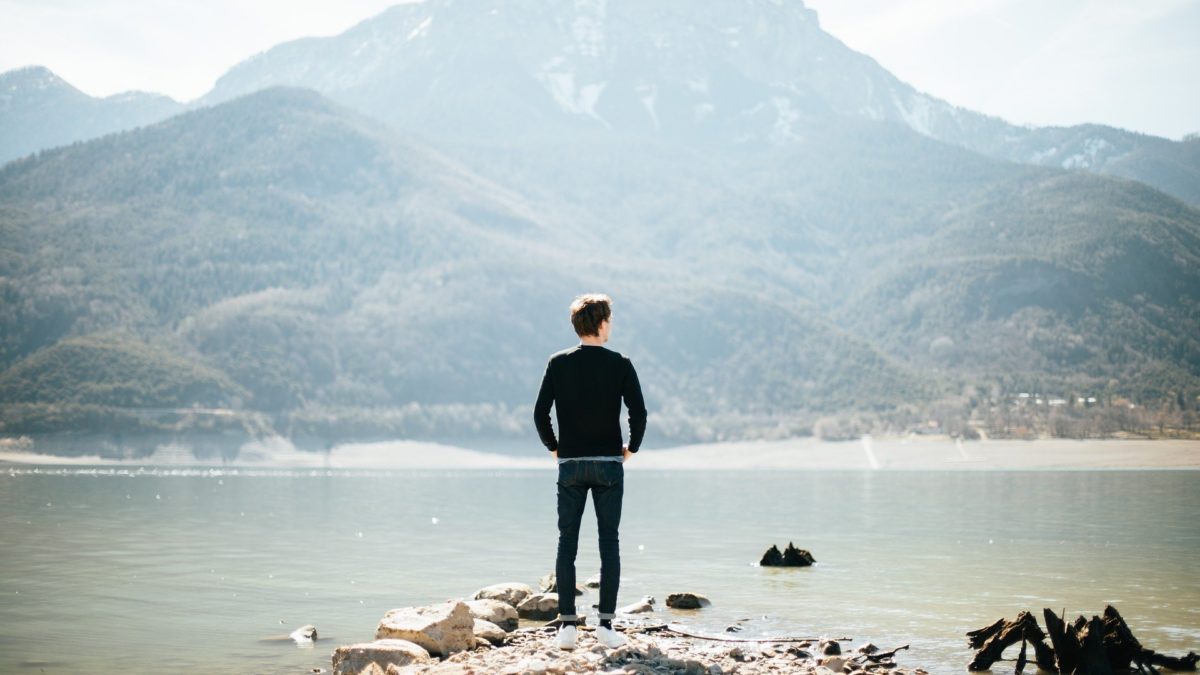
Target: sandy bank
{"points": [[938, 454], [918, 454]]}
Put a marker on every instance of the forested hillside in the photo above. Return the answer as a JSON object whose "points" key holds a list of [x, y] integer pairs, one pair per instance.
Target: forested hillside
{"points": [[282, 257]]}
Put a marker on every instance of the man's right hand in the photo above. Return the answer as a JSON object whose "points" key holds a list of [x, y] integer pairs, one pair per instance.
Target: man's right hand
{"points": [[625, 454]]}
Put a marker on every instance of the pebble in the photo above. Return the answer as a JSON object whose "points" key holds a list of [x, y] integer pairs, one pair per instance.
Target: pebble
{"points": [[533, 652]]}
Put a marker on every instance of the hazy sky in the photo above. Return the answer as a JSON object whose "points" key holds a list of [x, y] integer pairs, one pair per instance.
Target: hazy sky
{"points": [[1130, 64]]}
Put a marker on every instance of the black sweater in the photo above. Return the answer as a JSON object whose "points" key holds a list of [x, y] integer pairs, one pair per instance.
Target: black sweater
{"points": [[585, 384]]}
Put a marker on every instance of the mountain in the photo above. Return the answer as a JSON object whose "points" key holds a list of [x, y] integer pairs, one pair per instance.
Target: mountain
{"points": [[39, 110], [725, 71], [720, 72], [393, 257], [280, 253]]}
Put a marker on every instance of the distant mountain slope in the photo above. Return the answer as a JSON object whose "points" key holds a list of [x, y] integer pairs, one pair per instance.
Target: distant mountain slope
{"points": [[38, 110], [321, 263], [779, 249], [720, 72], [1071, 281]]}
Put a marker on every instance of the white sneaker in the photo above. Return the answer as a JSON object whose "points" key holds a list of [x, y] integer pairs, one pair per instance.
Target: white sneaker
{"points": [[566, 637], [609, 637]]}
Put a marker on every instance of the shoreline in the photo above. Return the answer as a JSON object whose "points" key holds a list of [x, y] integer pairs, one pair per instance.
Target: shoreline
{"points": [[801, 454]]}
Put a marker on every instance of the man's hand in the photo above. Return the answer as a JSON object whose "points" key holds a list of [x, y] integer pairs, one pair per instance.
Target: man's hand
{"points": [[625, 454], [555, 453]]}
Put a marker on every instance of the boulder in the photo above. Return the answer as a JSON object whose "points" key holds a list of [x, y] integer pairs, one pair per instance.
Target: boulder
{"points": [[829, 647], [539, 607], [687, 601], [354, 659], [593, 581], [489, 631], [512, 593], [441, 629], [549, 584], [834, 663], [500, 613]]}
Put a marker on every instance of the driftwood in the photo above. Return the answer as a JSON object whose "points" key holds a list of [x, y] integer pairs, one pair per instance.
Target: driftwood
{"points": [[669, 629], [876, 657], [1067, 652], [1124, 649], [1099, 646], [992, 641]]}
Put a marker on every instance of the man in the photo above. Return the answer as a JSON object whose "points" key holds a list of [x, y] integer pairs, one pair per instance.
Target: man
{"points": [[586, 384]]}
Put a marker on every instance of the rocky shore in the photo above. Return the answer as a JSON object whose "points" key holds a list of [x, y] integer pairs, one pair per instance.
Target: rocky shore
{"points": [[480, 636]]}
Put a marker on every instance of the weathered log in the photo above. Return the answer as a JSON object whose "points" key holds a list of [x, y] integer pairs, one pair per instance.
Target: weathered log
{"points": [[789, 557], [1173, 662], [716, 638], [1100, 646], [797, 557], [1021, 660], [876, 657], [772, 558], [1067, 654], [1123, 648], [1044, 656], [998, 639], [1095, 659], [976, 638]]}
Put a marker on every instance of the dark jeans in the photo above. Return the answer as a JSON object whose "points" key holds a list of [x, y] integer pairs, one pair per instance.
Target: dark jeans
{"points": [[606, 480]]}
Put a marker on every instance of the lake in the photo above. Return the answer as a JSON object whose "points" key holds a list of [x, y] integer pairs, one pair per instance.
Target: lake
{"points": [[120, 568]]}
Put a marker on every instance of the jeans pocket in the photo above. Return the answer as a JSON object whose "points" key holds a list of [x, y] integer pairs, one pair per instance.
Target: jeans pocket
{"points": [[566, 473], [614, 473]]}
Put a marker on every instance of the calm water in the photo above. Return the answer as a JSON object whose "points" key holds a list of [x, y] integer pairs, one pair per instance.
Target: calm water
{"points": [[119, 570]]}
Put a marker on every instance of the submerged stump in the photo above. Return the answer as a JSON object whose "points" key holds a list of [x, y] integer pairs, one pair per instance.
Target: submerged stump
{"points": [[789, 557], [1096, 646]]}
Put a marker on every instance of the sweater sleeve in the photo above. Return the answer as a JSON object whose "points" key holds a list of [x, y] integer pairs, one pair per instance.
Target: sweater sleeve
{"points": [[541, 412], [632, 393]]}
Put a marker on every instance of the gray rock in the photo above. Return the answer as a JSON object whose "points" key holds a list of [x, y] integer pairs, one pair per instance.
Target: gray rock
{"points": [[539, 607], [512, 593], [441, 629], [593, 581], [489, 631], [834, 663], [687, 601], [829, 647], [380, 654], [500, 613]]}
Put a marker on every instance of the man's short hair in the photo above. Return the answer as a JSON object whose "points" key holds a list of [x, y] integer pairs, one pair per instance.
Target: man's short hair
{"points": [[588, 312]]}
